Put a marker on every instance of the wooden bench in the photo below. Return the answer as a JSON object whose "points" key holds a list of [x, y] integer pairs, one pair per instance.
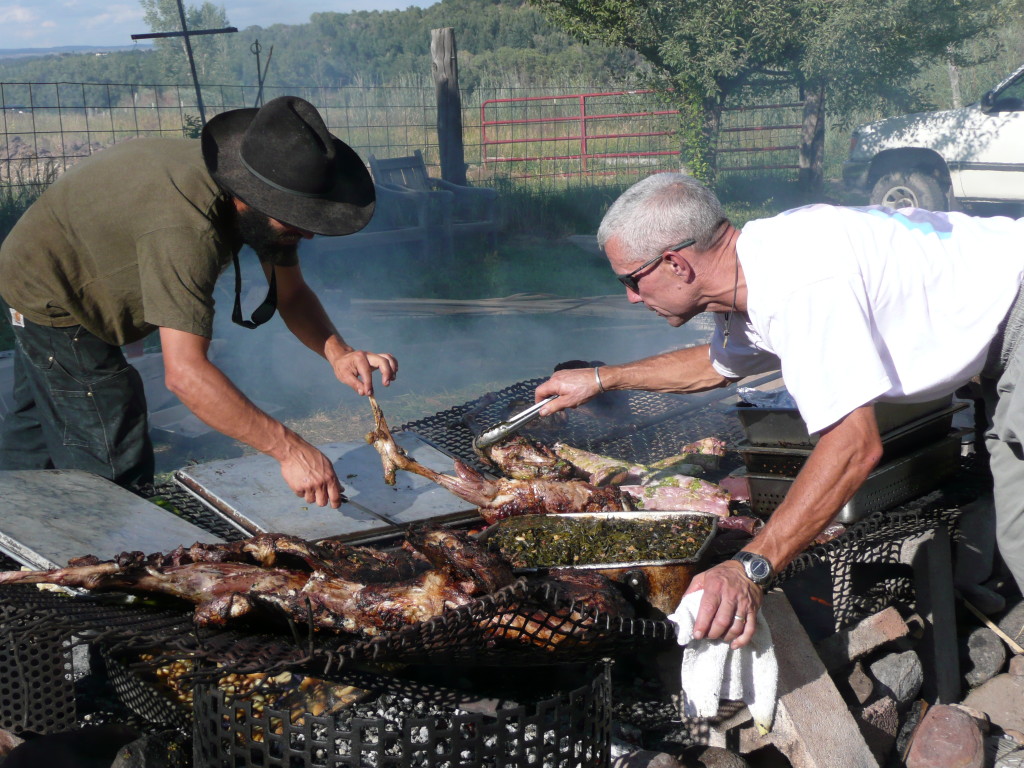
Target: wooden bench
{"points": [[469, 210]]}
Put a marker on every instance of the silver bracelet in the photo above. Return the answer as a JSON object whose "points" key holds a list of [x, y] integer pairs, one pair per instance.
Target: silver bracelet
{"points": [[597, 378]]}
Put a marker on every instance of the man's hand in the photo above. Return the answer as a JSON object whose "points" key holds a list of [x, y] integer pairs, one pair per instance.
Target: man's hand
{"points": [[728, 610], [355, 368], [311, 475], [574, 386]]}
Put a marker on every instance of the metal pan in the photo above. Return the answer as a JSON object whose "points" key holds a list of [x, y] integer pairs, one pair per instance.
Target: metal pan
{"points": [[655, 585]]}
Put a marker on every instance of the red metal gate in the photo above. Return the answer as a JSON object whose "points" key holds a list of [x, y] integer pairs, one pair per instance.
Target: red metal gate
{"points": [[624, 132]]}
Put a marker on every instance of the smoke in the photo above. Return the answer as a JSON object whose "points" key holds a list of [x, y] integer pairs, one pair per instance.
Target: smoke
{"points": [[461, 348]]}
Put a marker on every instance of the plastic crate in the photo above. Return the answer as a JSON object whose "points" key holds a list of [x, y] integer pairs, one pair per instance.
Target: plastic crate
{"points": [[893, 483]]}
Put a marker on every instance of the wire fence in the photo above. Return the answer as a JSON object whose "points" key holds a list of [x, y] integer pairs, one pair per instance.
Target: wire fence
{"points": [[508, 133]]}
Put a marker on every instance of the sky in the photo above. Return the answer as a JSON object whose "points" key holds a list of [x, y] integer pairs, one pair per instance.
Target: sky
{"points": [[51, 23]]}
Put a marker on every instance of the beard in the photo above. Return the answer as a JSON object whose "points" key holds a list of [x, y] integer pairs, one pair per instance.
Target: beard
{"points": [[255, 230]]}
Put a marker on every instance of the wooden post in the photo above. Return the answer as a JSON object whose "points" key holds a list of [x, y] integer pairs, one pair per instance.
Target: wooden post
{"points": [[444, 63], [812, 143]]}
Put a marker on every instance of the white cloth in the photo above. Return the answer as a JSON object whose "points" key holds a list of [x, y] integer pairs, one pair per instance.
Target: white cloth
{"points": [[711, 670], [865, 304]]}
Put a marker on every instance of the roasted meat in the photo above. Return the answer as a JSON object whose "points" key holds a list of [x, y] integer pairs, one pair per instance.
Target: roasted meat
{"points": [[309, 589], [496, 499], [521, 458], [679, 492], [598, 469]]}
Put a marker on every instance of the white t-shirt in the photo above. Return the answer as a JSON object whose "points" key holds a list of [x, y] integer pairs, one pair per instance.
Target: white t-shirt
{"points": [[866, 304]]}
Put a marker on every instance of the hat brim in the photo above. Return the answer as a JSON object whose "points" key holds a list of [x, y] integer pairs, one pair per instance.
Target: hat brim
{"points": [[344, 209]]}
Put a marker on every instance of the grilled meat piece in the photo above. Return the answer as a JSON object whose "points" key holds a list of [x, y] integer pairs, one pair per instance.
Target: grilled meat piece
{"points": [[607, 470], [496, 499], [680, 492], [223, 590], [289, 552], [521, 458]]}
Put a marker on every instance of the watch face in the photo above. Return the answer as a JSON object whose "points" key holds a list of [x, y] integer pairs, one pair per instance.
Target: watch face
{"points": [[759, 569]]}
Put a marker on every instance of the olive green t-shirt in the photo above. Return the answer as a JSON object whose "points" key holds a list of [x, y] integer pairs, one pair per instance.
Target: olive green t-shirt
{"points": [[128, 240]]}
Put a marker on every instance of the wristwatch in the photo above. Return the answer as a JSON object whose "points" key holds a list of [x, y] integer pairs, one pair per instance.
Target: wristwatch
{"points": [[757, 568]]}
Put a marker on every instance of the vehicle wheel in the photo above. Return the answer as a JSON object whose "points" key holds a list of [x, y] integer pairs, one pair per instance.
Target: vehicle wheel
{"points": [[909, 189]]}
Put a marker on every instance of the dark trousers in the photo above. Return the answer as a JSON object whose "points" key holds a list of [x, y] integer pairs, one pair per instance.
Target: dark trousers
{"points": [[78, 404]]}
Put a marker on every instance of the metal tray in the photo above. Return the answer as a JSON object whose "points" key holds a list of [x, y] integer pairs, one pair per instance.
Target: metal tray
{"points": [[785, 427], [650, 514], [898, 481], [780, 460]]}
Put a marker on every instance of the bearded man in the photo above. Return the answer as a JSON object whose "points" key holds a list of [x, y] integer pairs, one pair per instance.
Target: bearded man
{"points": [[132, 241]]}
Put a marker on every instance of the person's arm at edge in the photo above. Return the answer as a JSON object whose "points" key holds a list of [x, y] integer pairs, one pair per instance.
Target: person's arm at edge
{"points": [[845, 455], [302, 312], [682, 371]]}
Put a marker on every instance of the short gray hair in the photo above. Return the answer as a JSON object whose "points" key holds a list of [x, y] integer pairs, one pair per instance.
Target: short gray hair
{"points": [[660, 211]]}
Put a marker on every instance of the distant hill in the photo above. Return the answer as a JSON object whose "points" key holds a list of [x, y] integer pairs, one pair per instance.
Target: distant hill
{"points": [[23, 53]]}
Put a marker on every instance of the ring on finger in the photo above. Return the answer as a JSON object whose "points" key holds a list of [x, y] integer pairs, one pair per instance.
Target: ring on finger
{"points": [[739, 617]]}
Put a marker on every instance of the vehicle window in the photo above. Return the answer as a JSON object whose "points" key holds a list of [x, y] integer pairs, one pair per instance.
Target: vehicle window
{"points": [[1010, 98]]}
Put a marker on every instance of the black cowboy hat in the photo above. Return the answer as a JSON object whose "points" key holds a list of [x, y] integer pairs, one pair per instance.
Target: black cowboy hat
{"points": [[281, 160]]}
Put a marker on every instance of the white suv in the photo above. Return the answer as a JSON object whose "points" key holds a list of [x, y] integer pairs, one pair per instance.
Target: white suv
{"points": [[942, 160]]}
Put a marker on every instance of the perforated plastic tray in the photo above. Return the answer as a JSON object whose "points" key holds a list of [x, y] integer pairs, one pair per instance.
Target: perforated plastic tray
{"points": [[37, 692], [893, 483]]}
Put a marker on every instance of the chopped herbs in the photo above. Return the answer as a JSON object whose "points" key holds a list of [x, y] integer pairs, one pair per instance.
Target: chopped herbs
{"points": [[535, 541]]}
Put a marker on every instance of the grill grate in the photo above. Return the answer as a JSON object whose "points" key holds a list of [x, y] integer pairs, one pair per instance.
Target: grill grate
{"points": [[632, 426], [422, 726], [35, 674]]}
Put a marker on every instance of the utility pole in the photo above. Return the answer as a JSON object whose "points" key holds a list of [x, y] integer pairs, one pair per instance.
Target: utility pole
{"points": [[188, 34]]}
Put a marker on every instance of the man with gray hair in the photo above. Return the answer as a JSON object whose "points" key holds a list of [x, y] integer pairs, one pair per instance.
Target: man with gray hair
{"points": [[855, 306]]}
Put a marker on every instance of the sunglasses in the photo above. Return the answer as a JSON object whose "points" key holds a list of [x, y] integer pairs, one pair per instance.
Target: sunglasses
{"points": [[631, 279]]}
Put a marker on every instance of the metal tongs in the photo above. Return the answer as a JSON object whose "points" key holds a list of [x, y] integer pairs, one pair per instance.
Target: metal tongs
{"points": [[503, 429]]}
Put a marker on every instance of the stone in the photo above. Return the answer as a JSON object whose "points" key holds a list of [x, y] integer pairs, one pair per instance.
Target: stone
{"points": [[982, 656], [880, 724], [641, 758], [984, 724], [1002, 699], [899, 675], [861, 685], [8, 741], [1016, 667], [1014, 734], [170, 749], [946, 737], [1012, 623], [712, 757], [870, 634]]}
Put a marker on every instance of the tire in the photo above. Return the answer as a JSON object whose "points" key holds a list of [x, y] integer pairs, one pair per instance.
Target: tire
{"points": [[909, 189]]}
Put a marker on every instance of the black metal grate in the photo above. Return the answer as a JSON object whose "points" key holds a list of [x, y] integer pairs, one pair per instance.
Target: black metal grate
{"points": [[180, 502], [633, 426], [36, 687], [411, 725]]}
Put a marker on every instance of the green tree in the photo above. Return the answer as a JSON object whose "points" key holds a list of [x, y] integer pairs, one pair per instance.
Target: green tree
{"points": [[210, 52], [842, 54]]}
